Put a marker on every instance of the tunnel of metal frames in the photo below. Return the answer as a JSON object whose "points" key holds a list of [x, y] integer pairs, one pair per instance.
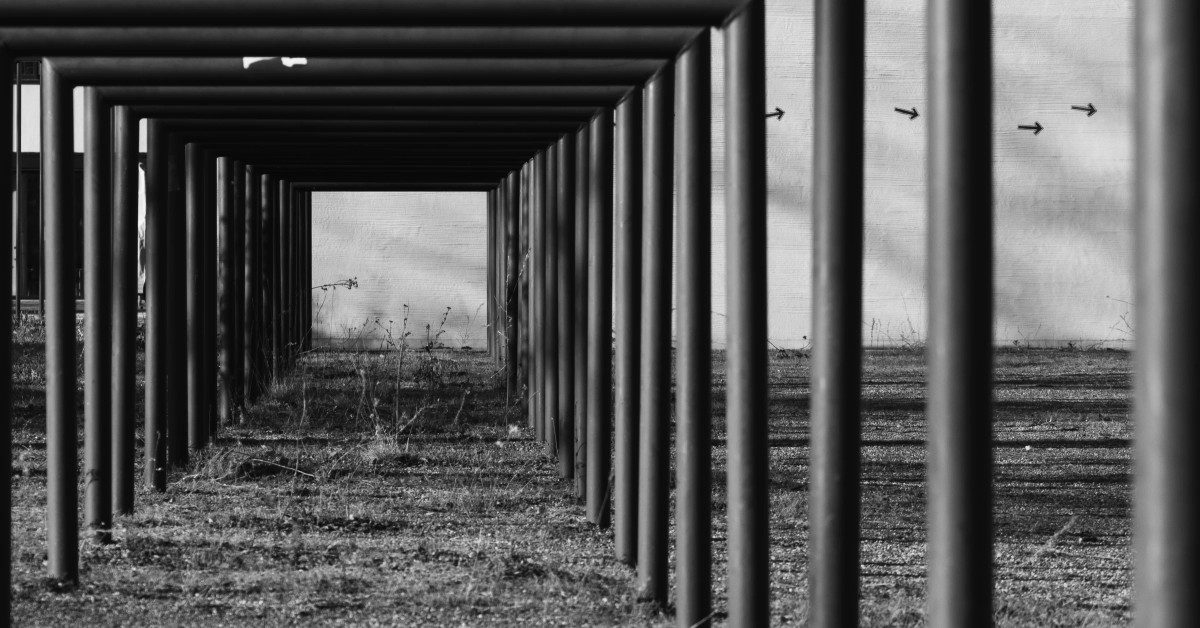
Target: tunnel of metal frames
{"points": [[580, 119]]}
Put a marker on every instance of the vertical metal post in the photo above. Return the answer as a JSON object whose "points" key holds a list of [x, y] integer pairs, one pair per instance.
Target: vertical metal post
{"points": [[243, 285], [208, 282], [524, 299], [654, 399], [837, 314], [225, 288], [599, 318], [550, 301], [511, 276], [746, 290], [97, 252], [1166, 404], [282, 270], [277, 254], [178, 284], [960, 314], [536, 201], [157, 314], [490, 291], [7, 178], [62, 526], [308, 270], [693, 370], [14, 170], [579, 294], [197, 418], [252, 368], [564, 243], [124, 305], [266, 238], [627, 322]]}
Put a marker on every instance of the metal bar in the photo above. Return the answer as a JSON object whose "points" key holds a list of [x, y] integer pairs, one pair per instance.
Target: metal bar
{"points": [[837, 314], [693, 370], [225, 288], [654, 398], [18, 269], [244, 198], [490, 290], [599, 319], [564, 269], [524, 298], [97, 260], [1166, 405], [399, 95], [281, 208], [361, 41], [62, 526], [428, 13], [537, 193], [197, 419], [208, 223], [214, 186], [512, 269], [579, 296], [550, 301], [124, 306], [267, 279], [627, 322], [234, 179], [746, 289], [157, 313], [178, 284], [959, 405], [94, 70], [7, 178]]}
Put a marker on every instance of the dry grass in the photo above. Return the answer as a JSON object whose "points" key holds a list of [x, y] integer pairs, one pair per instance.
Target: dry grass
{"points": [[323, 510]]}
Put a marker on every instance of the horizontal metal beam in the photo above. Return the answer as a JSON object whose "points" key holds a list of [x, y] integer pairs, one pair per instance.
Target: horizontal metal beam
{"points": [[407, 41], [365, 114], [359, 71], [195, 13], [411, 95]]}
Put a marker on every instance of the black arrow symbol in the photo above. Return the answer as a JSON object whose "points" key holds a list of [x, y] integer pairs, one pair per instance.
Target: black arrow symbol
{"points": [[1091, 109], [1036, 128], [911, 114], [778, 113]]}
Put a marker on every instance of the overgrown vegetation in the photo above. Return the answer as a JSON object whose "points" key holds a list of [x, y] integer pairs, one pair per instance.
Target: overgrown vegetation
{"points": [[395, 487]]}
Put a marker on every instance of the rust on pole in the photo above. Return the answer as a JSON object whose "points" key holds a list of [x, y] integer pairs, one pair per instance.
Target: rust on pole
{"points": [[959, 407], [746, 289], [654, 398], [693, 371], [124, 305], [833, 572], [579, 296], [1167, 359], [564, 244], [599, 319], [627, 322], [97, 259], [62, 526]]}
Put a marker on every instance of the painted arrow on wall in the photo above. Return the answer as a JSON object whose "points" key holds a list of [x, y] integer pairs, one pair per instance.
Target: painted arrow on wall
{"points": [[1090, 109], [778, 113], [1036, 128], [912, 115]]}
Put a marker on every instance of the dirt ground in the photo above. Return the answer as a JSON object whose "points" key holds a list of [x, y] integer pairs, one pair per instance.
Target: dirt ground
{"points": [[405, 489]]}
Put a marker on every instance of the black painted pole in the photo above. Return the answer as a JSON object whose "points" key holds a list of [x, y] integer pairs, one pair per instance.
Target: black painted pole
{"points": [[959, 406], [124, 305], [62, 526], [579, 301], [1167, 359], [654, 399], [97, 260], [157, 313], [538, 314], [627, 322], [237, 285], [512, 269], [564, 243], [277, 265], [693, 364], [524, 299], [7, 66], [283, 271], [746, 338], [266, 239], [599, 319], [833, 572], [178, 284], [550, 301], [225, 288], [208, 282], [197, 418]]}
